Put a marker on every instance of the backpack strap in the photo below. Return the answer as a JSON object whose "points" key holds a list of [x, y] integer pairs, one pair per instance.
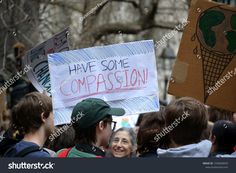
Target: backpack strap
{"points": [[6, 144], [8, 151], [64, 153], [27, 150], [23, 152]]}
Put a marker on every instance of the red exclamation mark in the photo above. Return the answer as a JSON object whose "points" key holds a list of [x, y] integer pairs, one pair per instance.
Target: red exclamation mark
{"points": [[146, 75]]}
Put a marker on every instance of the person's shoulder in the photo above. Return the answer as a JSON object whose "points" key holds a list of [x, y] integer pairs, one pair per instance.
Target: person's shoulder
{"points": [[61, 150], [23, 143], [149, 155], [51, 152], [38, 154], [73, 152]]}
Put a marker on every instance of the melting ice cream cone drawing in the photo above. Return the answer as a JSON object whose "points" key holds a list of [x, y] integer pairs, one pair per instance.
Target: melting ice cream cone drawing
{"points": [[216, 33]]}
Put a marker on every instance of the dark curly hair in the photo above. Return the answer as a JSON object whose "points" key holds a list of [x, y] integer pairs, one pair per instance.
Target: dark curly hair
{"points": [[151, 125]]}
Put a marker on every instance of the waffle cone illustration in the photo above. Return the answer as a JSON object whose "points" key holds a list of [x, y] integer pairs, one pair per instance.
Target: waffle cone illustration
{"points": [[214, 64]]}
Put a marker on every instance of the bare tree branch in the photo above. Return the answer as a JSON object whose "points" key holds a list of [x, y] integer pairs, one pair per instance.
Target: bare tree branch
{"points": [[133, 2], [128, 28], [63, 4]]}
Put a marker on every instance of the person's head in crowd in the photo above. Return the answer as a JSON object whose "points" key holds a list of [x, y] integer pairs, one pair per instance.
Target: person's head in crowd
{"points": [[33, 114], [216, 114], [223, 138], [192, 126], [5, 120], [207, 132], [139, 120], [64, 138], [234, 118], [123, 143], [32, 118], [186, 120], [152, 125], [93, 125]]}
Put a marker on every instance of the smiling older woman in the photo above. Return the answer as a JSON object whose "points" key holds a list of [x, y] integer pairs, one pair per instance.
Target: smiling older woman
{"points": [[123, 143]]}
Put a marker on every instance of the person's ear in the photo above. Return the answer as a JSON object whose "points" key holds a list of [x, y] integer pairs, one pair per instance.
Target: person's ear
{"points": [[43, 118], [101, 125], [213, 139]]}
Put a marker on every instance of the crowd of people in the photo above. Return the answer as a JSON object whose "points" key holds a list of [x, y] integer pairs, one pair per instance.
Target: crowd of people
{"points": [[205, 132]]}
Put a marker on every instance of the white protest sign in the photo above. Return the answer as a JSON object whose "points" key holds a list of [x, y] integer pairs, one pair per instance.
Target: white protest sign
{"points": [[37, 59], [124, 75]]}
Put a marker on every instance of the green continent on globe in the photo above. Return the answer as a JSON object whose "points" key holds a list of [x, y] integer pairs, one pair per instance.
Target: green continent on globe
{"points": [[231, 37], [207, 21]]}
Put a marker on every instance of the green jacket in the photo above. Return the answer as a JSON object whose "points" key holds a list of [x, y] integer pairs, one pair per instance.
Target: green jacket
{"points": [[74, 152]]}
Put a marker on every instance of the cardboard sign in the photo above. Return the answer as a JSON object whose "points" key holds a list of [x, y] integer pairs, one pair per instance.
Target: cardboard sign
{"points": [[37, 59], [110, 73], [205, 68]]}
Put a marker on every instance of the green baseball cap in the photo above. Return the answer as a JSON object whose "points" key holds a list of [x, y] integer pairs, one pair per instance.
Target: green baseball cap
{"points": [[92, 110]]}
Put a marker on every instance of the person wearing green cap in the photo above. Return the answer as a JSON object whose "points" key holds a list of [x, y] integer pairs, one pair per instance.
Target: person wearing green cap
{"points": [[93, 125]]}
